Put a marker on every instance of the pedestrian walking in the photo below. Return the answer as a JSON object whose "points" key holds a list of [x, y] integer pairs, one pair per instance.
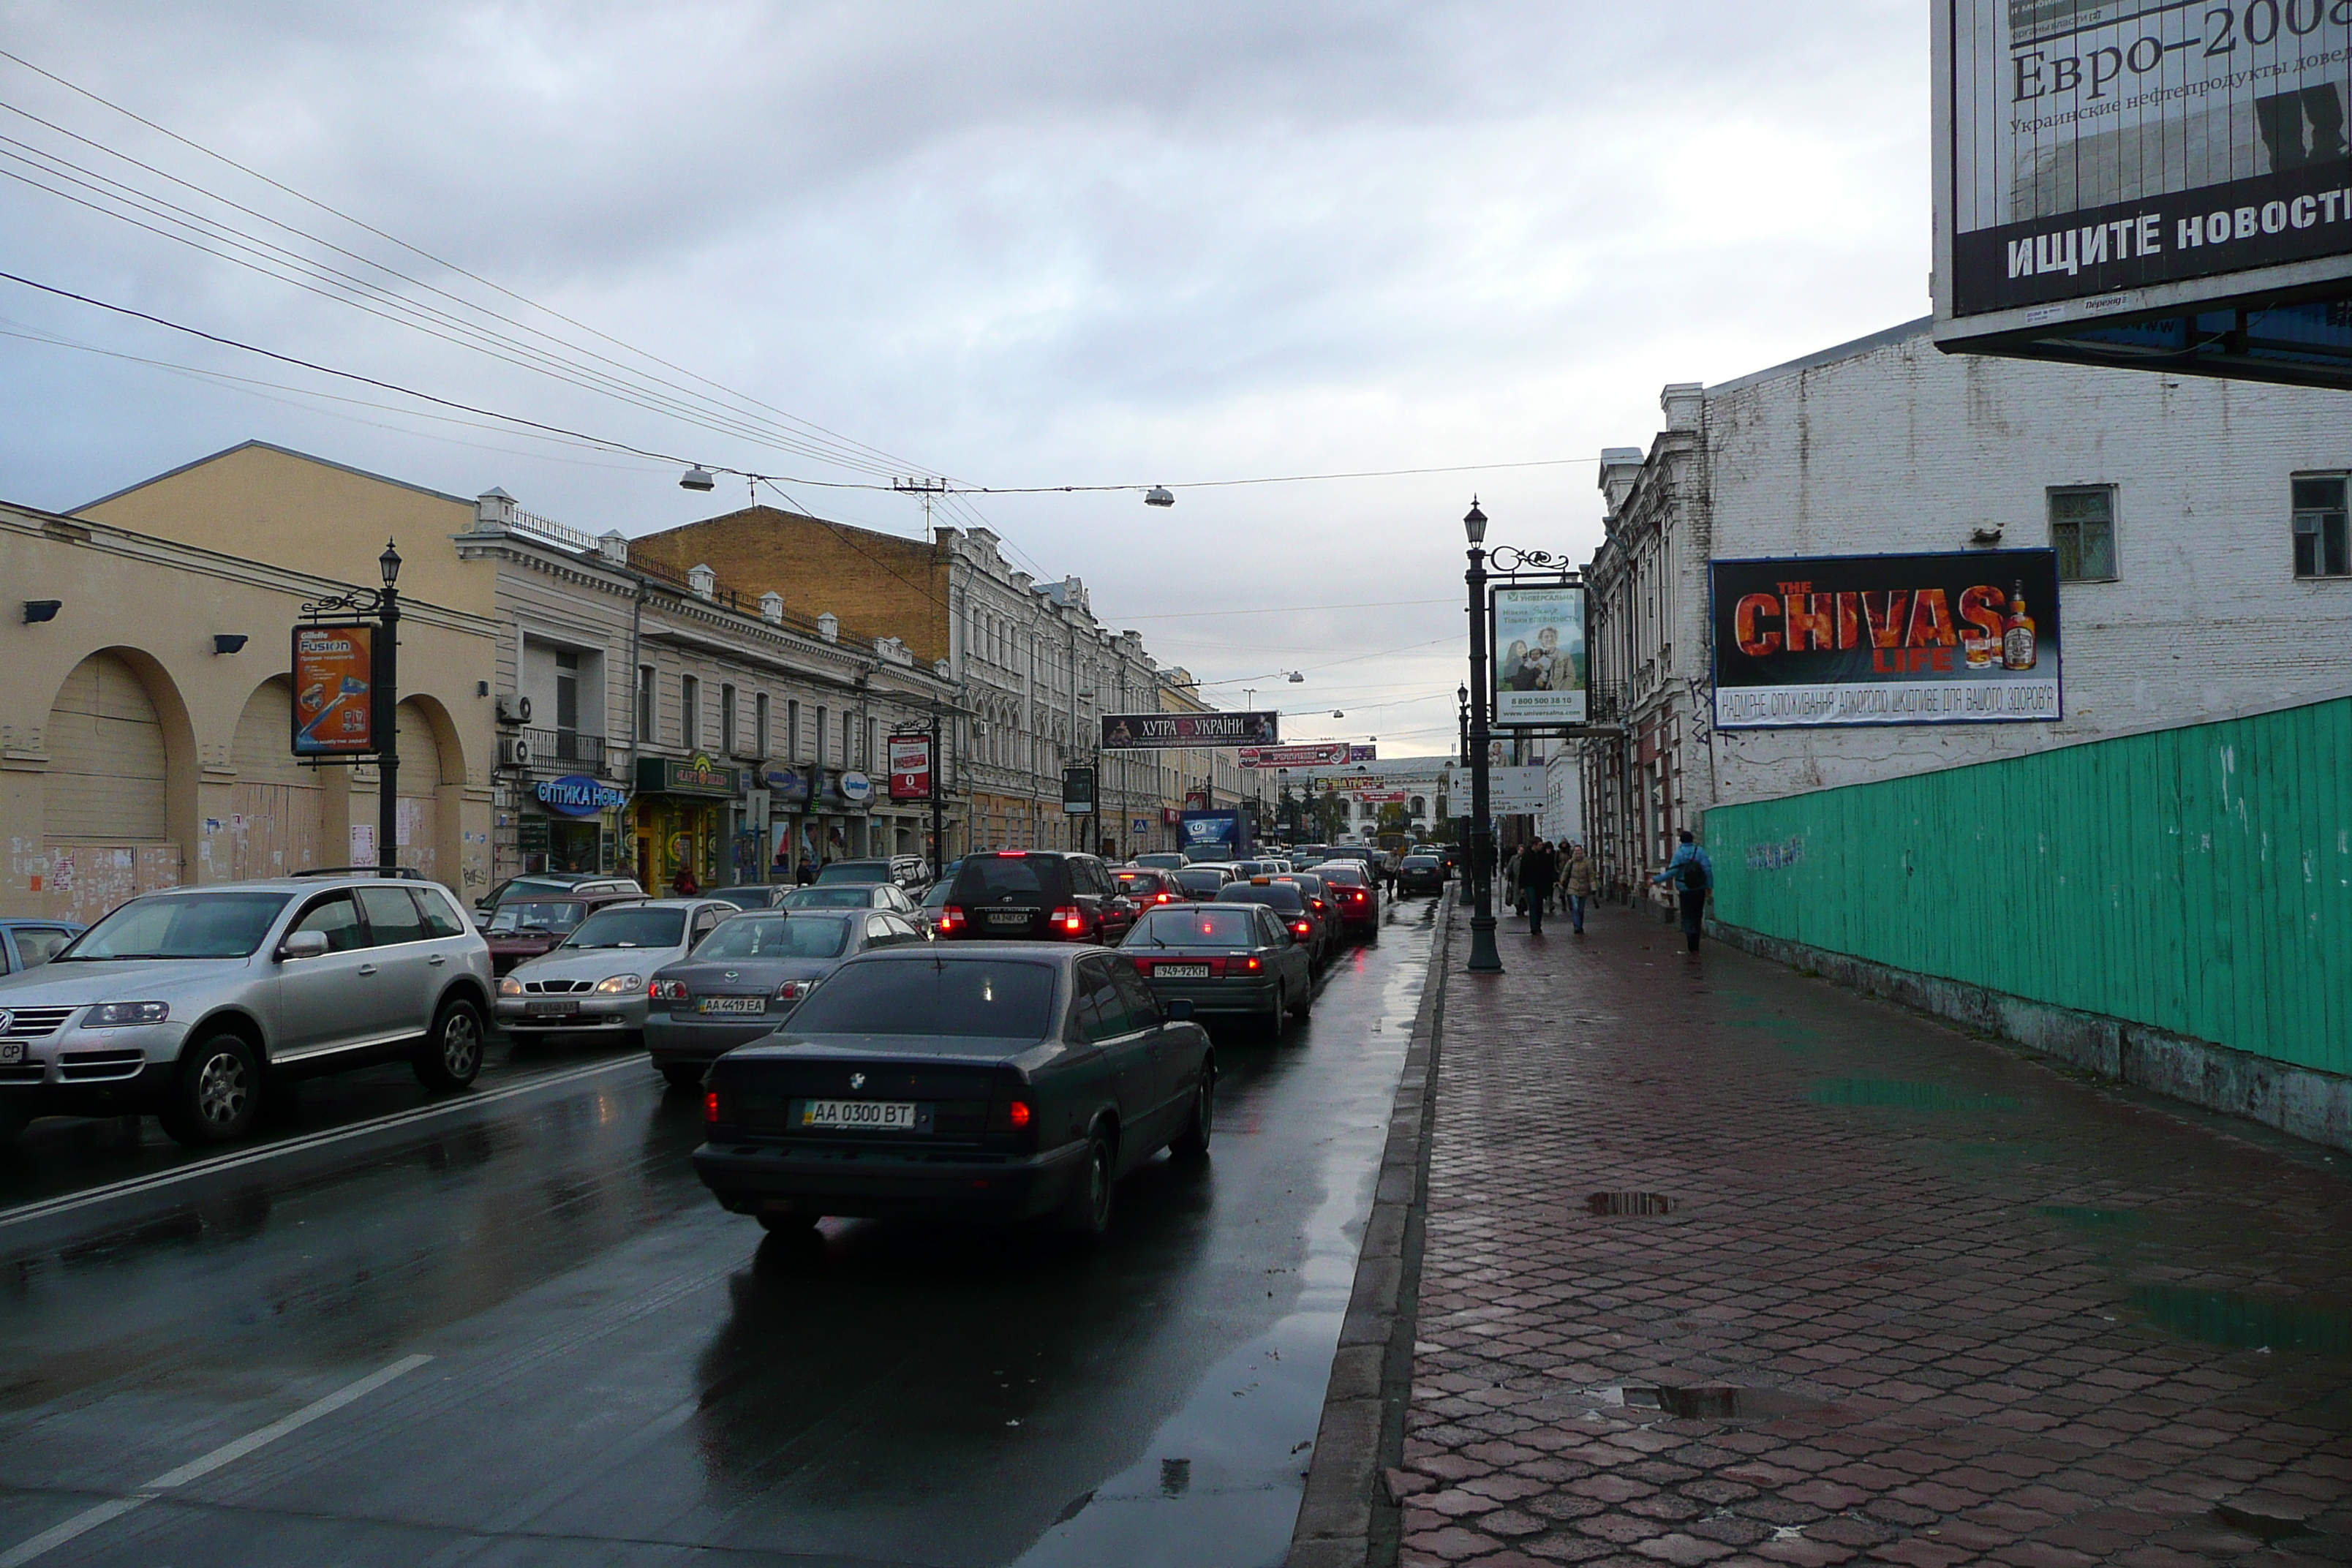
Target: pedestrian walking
{"points": [[684, 884], [806, 874], [1693, 874], [1576, 885], [1538, 869]]}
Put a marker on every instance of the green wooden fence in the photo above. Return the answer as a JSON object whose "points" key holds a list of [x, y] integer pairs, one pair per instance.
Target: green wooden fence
{"points": [[2197, 879]]}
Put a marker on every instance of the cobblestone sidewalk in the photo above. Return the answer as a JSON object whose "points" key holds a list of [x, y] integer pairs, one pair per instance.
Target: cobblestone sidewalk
{"points": [[1726, 1265]]}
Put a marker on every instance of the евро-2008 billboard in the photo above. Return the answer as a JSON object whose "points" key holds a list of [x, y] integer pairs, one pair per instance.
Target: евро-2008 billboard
{"points": [[1969, 637]]}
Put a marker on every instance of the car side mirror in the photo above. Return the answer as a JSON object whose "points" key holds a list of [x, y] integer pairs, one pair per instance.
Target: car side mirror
{"points": [[1180, 1009], [303, 944]]}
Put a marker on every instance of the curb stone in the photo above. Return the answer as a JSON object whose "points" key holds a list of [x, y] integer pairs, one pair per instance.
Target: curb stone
{"points": [[1348, 1519]]}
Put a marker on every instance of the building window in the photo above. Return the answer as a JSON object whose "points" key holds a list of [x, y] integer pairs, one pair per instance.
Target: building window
{"points": [[690, 713], [759, 724], [727, 719], [2082, 532], [645, 714], [793, 730], [820, 738], [873, 744], [2323, 539]]}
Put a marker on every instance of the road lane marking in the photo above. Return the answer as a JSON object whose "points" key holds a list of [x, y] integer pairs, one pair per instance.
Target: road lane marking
{"points": [[135, 1185], [89, 1519]]}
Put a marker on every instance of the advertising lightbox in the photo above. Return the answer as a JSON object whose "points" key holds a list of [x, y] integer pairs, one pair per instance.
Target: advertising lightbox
{"points": [[1540, 658]]}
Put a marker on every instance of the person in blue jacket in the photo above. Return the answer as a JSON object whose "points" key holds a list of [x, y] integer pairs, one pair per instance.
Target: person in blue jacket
{"points": [[1693, 874]]}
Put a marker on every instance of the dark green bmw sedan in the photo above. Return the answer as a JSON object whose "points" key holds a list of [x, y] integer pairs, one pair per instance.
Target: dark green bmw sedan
{"points": [[988, 1081]]}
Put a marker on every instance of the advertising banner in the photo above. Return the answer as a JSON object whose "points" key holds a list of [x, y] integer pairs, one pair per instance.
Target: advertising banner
{"points": [[1166, 731], [911, 767], [335, 693], [1969, 637], [1077, 792], [1540, 662], [1363, 754], [2097, 146], [1311, 754]]}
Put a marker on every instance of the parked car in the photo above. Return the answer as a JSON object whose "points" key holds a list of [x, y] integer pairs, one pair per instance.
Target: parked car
{"points": [[1355, 894], [1200, 884], [597, 979], [1035, 895], [184, 1003], [1234, 958], [991, 1082], [1420, 874], [850, 896], [29, 944], [521, 929], [901, 870], [747, 976], [1147, 886], [1288, 901], [551, 884]]}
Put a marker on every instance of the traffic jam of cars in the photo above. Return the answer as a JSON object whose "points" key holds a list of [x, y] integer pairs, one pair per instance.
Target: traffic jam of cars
{"points": [[1000, 1043]]}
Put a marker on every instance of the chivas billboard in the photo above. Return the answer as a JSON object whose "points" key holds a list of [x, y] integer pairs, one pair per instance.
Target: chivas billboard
{"points": [[1964, 638]]}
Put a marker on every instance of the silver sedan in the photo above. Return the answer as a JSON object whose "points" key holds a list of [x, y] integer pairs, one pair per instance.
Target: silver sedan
{"points": [[597, 979]]}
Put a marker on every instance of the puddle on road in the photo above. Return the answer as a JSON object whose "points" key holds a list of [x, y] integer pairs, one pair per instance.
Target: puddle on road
{"points": [[2255, 1520], [1720, 1403], [1896, 1094], [2242, 1322]]}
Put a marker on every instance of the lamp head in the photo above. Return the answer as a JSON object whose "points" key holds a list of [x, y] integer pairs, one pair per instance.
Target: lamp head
{"points": [[388, 563], [1474, 523], [696, 478]]}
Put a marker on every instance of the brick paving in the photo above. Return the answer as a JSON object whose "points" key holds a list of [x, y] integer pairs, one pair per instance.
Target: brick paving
{"points": [[1912, 1298]]}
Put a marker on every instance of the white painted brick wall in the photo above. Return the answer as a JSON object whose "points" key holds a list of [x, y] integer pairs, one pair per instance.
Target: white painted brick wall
{"points": [[1899, 447]]}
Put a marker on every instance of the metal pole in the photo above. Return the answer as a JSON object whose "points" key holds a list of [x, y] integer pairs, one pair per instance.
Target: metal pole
{"points": [[939, 801], [387, 767], [1484, 958]]}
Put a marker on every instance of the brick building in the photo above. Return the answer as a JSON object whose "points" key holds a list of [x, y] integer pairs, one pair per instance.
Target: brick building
{"points": [[2200, 526]]}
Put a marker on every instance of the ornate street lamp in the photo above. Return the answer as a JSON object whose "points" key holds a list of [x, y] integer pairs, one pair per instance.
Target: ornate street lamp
{"points": [[1484, 957]]}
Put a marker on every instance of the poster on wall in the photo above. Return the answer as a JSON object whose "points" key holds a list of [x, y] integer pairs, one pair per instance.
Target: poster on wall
{"points": [[2096, 147], [911, 767], [1968, 637], [1540, 660], [334, 692]]}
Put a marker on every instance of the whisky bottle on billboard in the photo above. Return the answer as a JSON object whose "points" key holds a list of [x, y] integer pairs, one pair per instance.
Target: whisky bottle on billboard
{"points": [[2017, 640]]}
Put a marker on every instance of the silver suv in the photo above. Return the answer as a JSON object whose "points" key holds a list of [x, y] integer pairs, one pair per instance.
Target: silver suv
{"points": [[180, 1002]]}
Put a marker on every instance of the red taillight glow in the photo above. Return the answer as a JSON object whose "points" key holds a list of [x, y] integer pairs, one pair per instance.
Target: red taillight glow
{"points": [[1302, 927], [1164, 898], [1070, 918], [1018, 1113], [710, 1106], [951, 918], [1250, 964], [1011, 854]]}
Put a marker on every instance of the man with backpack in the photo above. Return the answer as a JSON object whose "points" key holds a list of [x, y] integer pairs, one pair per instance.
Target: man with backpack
{"points": [[1694, 874]]}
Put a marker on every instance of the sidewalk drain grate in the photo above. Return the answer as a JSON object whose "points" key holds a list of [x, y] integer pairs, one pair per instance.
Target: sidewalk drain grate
{"points": [[1717, 1402], [1628, 1203]]}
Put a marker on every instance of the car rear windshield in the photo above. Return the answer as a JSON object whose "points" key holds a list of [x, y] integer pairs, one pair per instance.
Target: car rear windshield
{"points": [[1149, 881], [857, 897], [1419, 862], [636, 927], [855, 871], [1201, 881], [995, 998], [777, 936], [181, 925], [1027, 881], [1347, 872], [557, 915], [1274, 895], [1203, 927]]}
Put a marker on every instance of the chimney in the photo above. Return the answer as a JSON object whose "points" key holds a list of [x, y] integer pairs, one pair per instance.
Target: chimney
{"points": [[772, 607], [1685, 404], [615, 548], [494, 509], [704, 581], [828, 626]]}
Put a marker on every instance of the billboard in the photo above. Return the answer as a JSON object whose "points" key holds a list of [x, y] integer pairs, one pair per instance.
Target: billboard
{"points": [[911, 767], [2099, 161], [1539, 659], [1315, 754], [334, 692], [1968, 637], [1148, 731], [1077, 792]]}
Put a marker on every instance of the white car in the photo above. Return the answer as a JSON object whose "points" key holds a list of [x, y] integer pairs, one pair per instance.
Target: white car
{"points": [[596, 981]]}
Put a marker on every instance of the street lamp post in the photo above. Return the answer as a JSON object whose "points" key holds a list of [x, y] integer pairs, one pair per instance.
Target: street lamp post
{"points": [[1484, 957], [387, 814]]}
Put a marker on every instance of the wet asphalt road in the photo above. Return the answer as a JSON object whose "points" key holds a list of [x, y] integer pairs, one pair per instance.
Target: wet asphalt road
{"points": [[519, 1332]]}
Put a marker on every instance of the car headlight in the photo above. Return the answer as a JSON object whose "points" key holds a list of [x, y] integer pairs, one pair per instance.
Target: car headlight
{"points": [[116, 1014], [510, 986], [619, 983]]}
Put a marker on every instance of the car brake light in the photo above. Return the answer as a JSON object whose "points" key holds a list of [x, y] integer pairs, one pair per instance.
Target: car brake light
{"points": [[1163, 897], [1011, 854], [1018, 1113], [1070, 918], [1302, 927], [1250, 964], [710, 1106], [951, 917]]}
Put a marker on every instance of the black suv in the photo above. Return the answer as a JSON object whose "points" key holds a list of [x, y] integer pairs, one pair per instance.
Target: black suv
{"points": [[1035, 895]]}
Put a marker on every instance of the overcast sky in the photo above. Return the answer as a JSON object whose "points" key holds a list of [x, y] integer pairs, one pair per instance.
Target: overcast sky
{"points": [[1019, 245]]}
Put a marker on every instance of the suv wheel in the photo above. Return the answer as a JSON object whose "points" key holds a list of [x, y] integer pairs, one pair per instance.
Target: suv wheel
{"points": [[216, 1094], [452, 1054]]}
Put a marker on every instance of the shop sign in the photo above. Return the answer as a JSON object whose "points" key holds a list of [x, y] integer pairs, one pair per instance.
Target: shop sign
{"points": [[531, 834], [695, 775], [1962, 637], [790, 786], [1540, 659], [855, 788], [911, 767], [576, 795], [334, 692], [1169, 816]]}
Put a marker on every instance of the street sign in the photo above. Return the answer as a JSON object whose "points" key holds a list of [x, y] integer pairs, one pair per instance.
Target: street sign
{"points": [[2164, 185], [1168, 732], [911, 767], [1539, 659], [334, 692], [1077, 792]]}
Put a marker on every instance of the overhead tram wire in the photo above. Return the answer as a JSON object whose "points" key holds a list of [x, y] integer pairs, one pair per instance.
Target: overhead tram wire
{"points": [[830, 437]]}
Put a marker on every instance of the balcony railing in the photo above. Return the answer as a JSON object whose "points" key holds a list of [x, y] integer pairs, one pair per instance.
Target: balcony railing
{"points": [[566, 751]]}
